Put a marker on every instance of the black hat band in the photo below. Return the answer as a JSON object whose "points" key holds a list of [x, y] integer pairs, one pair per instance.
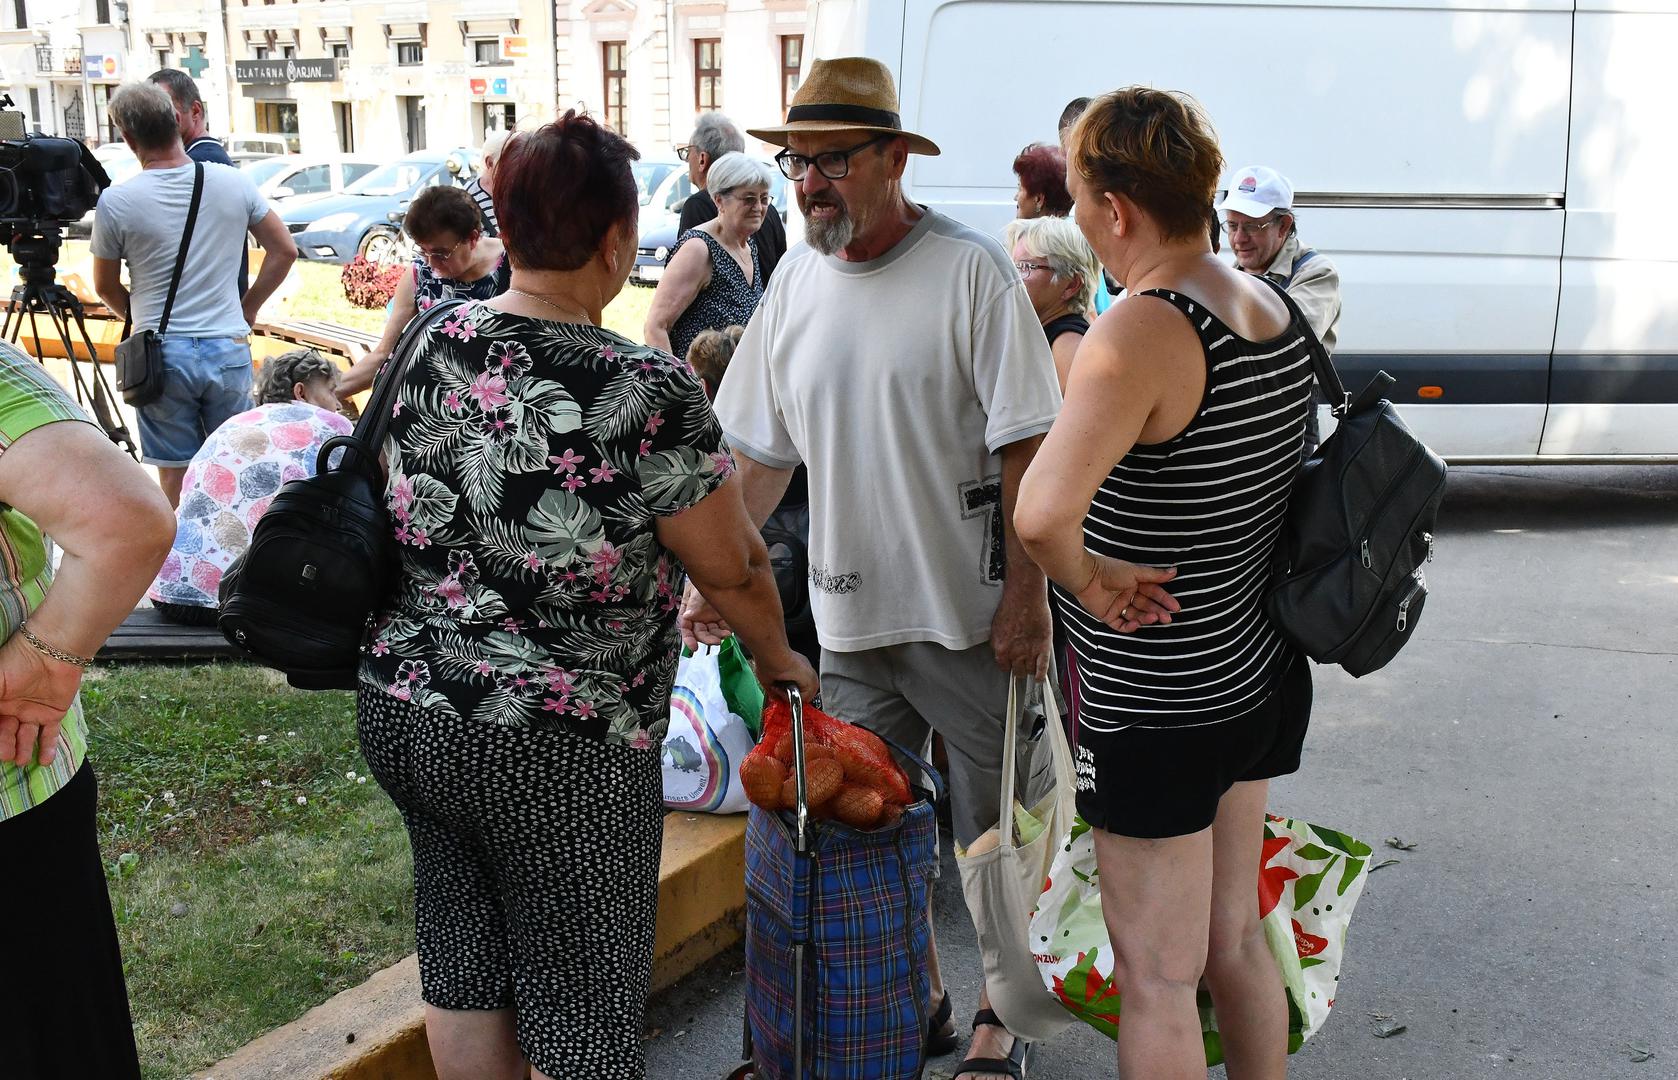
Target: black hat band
{"points": [[855, 114]]}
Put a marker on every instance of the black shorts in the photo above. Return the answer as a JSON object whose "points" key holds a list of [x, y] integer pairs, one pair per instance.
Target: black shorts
{"points": [[1152, 783]]}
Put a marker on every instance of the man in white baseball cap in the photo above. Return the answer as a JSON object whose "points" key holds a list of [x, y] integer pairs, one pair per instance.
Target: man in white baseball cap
{"points": [[1258, 218]]}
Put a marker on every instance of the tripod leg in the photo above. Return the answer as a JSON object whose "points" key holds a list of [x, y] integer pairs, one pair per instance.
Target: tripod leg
{"points": [[63, 308]]}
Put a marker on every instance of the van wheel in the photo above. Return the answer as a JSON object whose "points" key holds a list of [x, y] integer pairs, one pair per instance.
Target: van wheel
{"points": [[381, 247]]}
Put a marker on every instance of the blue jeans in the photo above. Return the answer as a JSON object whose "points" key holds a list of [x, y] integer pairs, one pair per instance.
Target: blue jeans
{"points": [[205, 381]]}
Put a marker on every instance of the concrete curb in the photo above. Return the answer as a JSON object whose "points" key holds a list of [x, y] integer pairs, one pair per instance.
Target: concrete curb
{"points": [[376, 1031]]}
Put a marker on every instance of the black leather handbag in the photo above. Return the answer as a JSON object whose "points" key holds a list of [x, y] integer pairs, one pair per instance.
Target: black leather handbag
{"points": [[323, 558], [1349, 585], [140, 357]]}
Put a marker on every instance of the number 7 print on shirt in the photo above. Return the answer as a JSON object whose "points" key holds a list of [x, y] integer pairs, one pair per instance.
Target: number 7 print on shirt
{"points": [[983, 499]]}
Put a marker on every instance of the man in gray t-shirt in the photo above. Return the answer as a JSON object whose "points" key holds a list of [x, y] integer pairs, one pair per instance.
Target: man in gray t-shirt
{"points": [[896, 356], [206, 351]]}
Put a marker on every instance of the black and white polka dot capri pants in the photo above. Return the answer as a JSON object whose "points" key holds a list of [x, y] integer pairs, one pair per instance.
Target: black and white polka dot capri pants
{"points": [[535, 876]]}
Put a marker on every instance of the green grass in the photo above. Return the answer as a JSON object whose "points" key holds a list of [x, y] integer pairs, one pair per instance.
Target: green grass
{"points": [[252, 877]]}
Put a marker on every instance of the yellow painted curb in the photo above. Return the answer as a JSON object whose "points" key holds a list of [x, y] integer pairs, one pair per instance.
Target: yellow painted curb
{"points": [[376, 1031]]}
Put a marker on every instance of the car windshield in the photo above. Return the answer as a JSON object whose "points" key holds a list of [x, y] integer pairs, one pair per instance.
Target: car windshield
{"points": [[264, 169], [648, 175], [392, 179]]}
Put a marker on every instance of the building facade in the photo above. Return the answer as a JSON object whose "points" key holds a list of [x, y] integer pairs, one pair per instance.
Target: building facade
{"points": [[387, 77]]}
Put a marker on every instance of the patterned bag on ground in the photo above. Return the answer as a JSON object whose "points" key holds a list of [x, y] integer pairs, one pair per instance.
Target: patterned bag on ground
{"points": [[706, 740], [1309, 881], [856, 905]]}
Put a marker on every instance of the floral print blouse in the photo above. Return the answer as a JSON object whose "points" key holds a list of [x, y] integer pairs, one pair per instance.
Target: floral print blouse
{"points": [[528, 460]]}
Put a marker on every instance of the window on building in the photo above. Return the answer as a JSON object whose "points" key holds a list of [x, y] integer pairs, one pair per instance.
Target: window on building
{"points": [[35, 109], [279, 118], [486, 51], [792, 62], [616, 90], [20, 15], [344, 113], [262, 52], [497, 116], [409, 53], [288, 52], [413, 122], [107, 127], [102, 12], [707, 74], [164, 59], [341, 50]]}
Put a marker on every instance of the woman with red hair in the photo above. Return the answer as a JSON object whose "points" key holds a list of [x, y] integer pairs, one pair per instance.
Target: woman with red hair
{"points": [[1041, 169]]}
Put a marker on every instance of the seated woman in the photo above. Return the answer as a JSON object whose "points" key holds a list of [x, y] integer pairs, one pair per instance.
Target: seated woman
{"points": [[709, 355], [455, 259], [1061, 275], [713, 279], [235, 474]]}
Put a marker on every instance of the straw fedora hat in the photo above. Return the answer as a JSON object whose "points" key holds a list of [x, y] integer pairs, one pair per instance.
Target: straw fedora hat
{"points": [[851, 93]]}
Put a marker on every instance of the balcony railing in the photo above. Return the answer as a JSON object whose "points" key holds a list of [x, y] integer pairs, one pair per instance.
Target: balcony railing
{"points": [[49, 60]]}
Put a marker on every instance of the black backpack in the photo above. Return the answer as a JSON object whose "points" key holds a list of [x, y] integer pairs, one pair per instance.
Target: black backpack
{"points": [[323, 558], [1349, 584]]}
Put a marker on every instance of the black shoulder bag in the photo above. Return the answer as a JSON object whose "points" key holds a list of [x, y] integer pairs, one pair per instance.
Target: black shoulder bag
{"points": [[322, 558], [1349, 586], [140, 357]]}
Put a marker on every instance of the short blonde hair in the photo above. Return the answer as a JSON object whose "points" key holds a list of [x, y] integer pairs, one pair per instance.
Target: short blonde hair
{"points": [[735, 171], [1057, 241]]}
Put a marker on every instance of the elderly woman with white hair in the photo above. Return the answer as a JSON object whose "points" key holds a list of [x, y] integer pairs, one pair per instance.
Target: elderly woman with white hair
{"points": [[1061, 275], [714, 278], [481, 187]]}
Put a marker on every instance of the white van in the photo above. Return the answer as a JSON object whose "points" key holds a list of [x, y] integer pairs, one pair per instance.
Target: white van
{"points": [[1493, 180]]}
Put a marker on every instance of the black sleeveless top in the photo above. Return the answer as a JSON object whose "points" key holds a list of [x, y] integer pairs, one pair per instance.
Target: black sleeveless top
{"points": [[728, 300], [430, 290], [1209, 502]]}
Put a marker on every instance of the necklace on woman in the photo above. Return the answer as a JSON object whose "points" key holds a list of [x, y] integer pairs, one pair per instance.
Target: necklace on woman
{"points": [[552, 306]]}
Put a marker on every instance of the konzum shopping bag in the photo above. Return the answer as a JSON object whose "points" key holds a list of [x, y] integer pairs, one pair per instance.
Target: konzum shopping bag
{"points": [[706, 740], [1309, 881]]}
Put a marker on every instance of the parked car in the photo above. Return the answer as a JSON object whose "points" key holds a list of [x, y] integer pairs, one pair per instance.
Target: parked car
{"points": [[243, 147], [362, 220], [293, 175], [1495, 224], [120, 164], [666, 188]]}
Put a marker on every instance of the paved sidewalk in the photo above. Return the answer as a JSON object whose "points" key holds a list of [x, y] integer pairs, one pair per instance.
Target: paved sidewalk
{"points": [[1525, 742]]}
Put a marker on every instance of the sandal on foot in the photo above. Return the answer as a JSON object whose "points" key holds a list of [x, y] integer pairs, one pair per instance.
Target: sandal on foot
{"points": [[1011, 1066], [941, 1037]]}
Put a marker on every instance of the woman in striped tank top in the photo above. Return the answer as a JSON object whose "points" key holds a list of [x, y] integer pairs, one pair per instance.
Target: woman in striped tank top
{"points": [[1155, 505]]}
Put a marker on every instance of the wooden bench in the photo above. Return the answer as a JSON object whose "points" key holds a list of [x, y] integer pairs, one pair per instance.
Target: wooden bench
{"points": [[146, 635]]}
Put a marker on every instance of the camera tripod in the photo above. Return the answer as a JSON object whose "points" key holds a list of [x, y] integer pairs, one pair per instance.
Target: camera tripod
{"points": [[35, 250]]}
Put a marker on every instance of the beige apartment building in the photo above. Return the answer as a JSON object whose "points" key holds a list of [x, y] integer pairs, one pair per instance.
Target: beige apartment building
{"points": [[386, 77]]}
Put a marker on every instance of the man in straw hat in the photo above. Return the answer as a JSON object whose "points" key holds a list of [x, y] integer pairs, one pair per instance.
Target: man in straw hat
{"points": [[896, 355]]}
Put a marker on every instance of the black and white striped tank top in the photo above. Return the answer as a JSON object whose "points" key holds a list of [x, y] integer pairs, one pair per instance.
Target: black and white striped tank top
{"points": [[1209, 502]]}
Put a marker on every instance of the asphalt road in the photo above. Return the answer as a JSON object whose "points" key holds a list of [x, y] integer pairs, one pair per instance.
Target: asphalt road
{"points": [[1524, 742]]}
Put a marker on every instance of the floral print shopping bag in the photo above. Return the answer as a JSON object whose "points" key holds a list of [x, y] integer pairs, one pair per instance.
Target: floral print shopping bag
{"points": [[1309, 881]]}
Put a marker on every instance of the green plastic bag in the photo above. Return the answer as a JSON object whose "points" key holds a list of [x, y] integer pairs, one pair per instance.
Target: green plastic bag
{"points": [[740, 687]]}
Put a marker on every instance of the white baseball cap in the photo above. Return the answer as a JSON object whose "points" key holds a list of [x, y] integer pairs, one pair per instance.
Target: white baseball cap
{"points": [[1256, 191]]}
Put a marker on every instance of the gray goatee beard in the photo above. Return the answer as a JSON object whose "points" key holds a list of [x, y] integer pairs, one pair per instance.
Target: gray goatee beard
{"points": [[829, 236]]}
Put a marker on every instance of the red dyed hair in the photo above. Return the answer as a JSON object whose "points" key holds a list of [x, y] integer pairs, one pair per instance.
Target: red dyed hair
{"points": [[560, 189], [1042, 172]]}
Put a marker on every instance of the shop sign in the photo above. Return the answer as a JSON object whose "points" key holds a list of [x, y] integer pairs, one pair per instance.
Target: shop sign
{"points": [[286, 71], [106, 66], [515, 47], [489, 87]]}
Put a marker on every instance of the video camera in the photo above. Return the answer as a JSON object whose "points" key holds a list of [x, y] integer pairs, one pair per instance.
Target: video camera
{"points": [[44, 181]]}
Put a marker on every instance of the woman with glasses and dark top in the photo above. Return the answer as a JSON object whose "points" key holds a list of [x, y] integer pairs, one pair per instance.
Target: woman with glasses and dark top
{"points": [[1155, 506], [455, 260], [1060, 275], [714, 278]]}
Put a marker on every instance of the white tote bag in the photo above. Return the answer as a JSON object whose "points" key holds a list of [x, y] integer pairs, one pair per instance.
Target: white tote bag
{"points": [[705, 742], [1002, 875]]}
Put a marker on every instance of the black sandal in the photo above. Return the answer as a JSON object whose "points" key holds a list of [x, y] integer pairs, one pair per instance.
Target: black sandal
{"points": [[941, 1035], [1012, 1066]]}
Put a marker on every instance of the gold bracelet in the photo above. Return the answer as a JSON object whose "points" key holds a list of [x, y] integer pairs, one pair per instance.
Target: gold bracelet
{"points": [[56, 653]]}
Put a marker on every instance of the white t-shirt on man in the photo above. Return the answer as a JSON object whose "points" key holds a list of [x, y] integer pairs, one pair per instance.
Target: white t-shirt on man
{"points": [[896, 381], [141, 221]]}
